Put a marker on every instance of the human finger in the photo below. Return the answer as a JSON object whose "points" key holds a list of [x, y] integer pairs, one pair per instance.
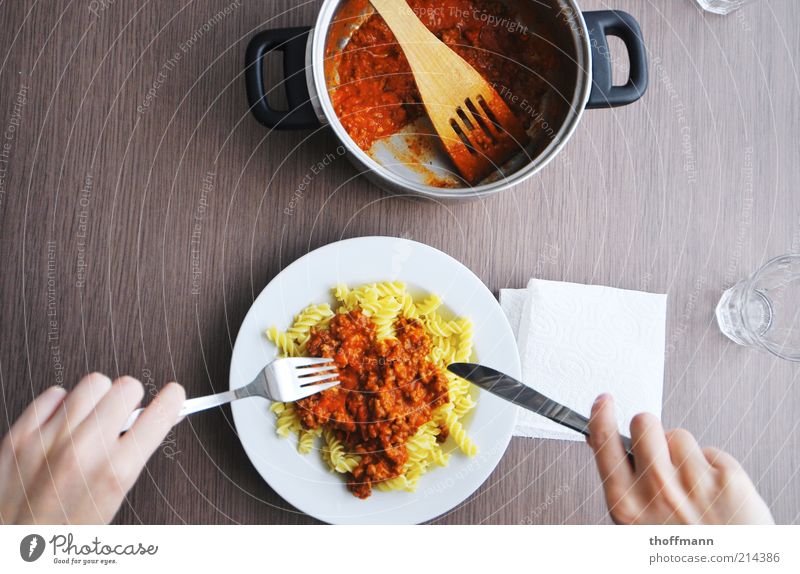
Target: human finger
{"points": [[114, 408], [609, 453], [721, 460], [139, 443], [76, 406], [37, 413], [649, 445], [687, 457]]}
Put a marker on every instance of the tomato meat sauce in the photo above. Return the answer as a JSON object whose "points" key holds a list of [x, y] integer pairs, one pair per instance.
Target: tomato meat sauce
{"points": [[376, 95], [389, 388]]}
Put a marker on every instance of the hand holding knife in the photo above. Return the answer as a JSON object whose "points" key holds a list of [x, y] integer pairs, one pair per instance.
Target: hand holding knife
{"points": [[514, 391]]}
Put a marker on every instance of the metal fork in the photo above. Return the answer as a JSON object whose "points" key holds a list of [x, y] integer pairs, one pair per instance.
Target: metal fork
{"points": [[283, 380]]}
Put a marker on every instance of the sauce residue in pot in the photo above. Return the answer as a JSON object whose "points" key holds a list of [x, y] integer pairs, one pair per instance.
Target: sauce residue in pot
{"points": [[375, 95]]}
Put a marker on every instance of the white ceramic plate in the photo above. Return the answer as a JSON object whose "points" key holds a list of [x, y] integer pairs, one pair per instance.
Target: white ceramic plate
{"points": [[303, 480]]}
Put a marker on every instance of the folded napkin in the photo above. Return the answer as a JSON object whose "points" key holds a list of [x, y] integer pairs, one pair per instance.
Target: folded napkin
{"points": [[577, 341]]}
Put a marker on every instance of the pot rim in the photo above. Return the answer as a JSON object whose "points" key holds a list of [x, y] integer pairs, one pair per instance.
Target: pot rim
{"points": [[315, 75]]}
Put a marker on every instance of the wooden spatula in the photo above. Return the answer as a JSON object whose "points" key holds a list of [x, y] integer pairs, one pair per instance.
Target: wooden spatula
{"points": [[476, 127]]}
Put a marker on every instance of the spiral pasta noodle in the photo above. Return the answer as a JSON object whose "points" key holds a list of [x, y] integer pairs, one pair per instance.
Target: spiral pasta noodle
{"points": [[397, 483], [334, 455], [341, 292], [420, 445], [463, 404], [442, 328], [459, 434], [443, 351], [287, 346], [309, 317], [464, 350], [391, 288], [287, 422], [306, 439], [385, 315], [429, 305], [409, 307]]}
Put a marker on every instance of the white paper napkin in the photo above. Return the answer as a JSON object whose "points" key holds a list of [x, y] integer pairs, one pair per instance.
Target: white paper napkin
{"points": [[577, 341]]}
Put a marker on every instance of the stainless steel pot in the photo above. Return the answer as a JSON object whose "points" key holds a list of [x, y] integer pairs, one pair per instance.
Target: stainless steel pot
{"points": [[582, 36]]}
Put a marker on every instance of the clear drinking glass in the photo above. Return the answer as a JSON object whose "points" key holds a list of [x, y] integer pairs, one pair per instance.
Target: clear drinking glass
{"points": [[721, 6], [764, 310]]}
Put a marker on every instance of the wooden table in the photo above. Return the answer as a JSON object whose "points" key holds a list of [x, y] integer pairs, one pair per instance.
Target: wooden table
{"points": [[134, 240]]}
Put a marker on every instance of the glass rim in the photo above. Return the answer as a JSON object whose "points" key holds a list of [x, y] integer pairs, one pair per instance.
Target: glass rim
{"points": [[749, 290]]}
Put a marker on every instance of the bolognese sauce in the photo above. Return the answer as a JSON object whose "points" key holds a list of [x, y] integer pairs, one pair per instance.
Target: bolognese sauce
{"points": [[389, 388], [376, 95]]}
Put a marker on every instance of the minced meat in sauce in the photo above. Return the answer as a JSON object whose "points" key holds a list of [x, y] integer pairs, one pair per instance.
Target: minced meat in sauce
{"points": [[389, 388]]}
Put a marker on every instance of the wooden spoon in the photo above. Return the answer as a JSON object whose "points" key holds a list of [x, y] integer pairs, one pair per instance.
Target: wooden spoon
{"points": [[478, 130]]}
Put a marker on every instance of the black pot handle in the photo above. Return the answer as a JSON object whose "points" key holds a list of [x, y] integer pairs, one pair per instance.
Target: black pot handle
{"points": [[292, 42], [604, 23]]}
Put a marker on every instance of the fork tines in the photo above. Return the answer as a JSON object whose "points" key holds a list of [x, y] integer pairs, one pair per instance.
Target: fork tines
{"points": [[314, 375]]}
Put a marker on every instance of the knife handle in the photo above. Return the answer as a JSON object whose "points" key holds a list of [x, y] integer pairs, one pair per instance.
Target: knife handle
{"points": [[580, 423]]}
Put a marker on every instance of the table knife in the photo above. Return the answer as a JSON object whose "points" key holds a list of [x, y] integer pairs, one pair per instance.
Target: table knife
{"points": [[512, 390]]}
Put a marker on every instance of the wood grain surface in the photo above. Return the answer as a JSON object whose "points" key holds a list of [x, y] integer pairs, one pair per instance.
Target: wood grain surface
{"points": [[143, 209]]}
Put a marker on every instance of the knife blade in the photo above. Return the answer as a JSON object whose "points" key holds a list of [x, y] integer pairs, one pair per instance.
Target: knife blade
{"points": [[512, 390]]}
